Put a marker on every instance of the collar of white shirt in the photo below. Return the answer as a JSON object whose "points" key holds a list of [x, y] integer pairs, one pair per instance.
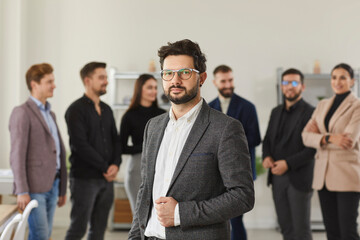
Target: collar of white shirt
{"points": [[189, 116]]}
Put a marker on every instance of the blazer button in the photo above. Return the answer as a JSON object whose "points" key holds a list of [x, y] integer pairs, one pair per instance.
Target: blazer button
{"points": [[142, 227], [54, 151]]}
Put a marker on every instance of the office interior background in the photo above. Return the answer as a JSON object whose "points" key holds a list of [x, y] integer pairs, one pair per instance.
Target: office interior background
{"points": [[252, 37]]}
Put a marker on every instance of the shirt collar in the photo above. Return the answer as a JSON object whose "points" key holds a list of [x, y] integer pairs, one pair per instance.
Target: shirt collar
{"points": [[293, 107], [190, 115], [40, 105], [224, 100]]}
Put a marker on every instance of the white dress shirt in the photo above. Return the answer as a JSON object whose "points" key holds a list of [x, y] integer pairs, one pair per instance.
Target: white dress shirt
{"points": [[224, 103], [175, 136]]}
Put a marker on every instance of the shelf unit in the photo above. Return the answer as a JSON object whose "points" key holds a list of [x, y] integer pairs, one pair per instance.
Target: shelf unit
{"points": [[120, 90]]}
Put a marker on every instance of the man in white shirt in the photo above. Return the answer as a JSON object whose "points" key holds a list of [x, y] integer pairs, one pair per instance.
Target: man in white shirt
{"points": [[196, 171]]}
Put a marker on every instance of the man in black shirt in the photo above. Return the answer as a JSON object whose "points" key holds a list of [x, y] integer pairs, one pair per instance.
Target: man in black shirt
{"points": [[95, 156], [290, 163]]}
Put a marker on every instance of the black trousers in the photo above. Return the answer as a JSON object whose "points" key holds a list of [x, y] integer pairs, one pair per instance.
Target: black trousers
{"points": [[91, 202], [292, 209], [340, 212]]}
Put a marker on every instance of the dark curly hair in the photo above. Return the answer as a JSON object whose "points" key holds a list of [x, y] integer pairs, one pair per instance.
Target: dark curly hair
{"points": [[184, 47]]}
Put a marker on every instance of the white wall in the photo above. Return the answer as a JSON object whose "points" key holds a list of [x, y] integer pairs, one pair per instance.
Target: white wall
{"points": [[253, 37]]}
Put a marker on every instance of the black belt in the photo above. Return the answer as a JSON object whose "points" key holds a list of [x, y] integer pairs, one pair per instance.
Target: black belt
{"points": [[57, 175], [153, 238]]}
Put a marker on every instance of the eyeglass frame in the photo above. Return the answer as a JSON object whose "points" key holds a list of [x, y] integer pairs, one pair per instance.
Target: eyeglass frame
{"points": [[177, 71], [293, 83]]}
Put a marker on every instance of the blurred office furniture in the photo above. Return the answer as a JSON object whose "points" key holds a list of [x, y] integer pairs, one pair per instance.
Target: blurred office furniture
{"points": [[21, 228], [9, 229]]}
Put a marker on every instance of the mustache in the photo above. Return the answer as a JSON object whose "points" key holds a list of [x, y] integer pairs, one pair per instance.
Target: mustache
{"points": [[176, 87]]}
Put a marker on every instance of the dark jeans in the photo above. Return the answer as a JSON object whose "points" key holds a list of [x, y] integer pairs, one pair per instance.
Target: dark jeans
{"points": [[238, 231], [292, 209], [91, 202], [340, 212]]}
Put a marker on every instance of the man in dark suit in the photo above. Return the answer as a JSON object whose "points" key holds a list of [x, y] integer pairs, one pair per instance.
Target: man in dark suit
{"points": [[241, 109], [196, 171], [290, 163], [37, 154]]}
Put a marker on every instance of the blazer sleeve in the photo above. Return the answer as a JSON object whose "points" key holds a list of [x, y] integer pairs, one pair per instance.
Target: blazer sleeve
{"points": [[252, 127], [312, 139], [19, 127], [235, 169], [353, 127]]}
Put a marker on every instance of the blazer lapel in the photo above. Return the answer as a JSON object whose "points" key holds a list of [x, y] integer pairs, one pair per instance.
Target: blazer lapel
{"points": [[345, 105], [32, 105], [233, 107], [155, 138], [197, 131]]}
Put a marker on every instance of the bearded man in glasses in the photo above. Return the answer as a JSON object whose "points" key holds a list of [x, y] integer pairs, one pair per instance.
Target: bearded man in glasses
{"points": [[243, 110], [196, 171], [290, 163]]}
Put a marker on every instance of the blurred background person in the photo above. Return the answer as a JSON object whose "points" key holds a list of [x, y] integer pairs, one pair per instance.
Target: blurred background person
{"points": [[143, 106], [37, 154], [334, 130]]}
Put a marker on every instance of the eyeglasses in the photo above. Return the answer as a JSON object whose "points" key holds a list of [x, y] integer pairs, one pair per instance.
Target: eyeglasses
{"points": [[184, 73], [293, 83]]}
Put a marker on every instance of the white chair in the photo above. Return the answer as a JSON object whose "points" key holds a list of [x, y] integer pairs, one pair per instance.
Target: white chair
{"points": [[21, 228], [7, 233]]}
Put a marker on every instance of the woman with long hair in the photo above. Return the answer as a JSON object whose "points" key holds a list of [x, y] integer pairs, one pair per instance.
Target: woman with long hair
{"points": [[334, 130], [143, 106]]}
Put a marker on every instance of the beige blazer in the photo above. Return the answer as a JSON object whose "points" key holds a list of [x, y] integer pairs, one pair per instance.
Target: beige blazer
{"points": [[339, 169]]}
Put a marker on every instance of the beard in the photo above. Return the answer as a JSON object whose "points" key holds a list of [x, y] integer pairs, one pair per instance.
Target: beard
{"points": [[100, 92], [291, 99], [226, 94], [187, 97]]}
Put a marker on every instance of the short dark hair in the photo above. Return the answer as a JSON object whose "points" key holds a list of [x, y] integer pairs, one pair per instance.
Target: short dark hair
{"points": [[293, 71], [222, 68], [184, 47], [36, 72], [89, 69], [346, 67]]}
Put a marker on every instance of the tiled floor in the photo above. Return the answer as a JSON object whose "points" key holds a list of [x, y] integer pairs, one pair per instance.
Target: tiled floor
{"points": [[253, 234]]}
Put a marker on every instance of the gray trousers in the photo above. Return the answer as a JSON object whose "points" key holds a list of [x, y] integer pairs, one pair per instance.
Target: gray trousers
{"points": [[91, 203], [133, 179], [292, 209]]}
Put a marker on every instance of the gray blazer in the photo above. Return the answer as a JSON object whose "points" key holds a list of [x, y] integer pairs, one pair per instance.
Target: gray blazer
{"points": [[33, 151], [212, 181]]}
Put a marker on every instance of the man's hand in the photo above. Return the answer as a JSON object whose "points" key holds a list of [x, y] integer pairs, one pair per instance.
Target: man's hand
{"points": [[111, 173], [61, 201], [165, 210], [268, 162], [22, 201], [280, 167]]}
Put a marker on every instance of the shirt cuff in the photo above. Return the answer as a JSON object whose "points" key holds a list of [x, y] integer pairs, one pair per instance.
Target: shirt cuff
{"points": [[23, 193], [177, 216]]}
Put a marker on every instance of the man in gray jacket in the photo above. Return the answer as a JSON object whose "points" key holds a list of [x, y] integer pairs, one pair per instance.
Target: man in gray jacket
{"points": [[196, 171], [37, 155]]}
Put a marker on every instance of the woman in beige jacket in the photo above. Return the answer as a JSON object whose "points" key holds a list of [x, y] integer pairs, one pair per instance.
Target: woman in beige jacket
{"points": [[334, 130]]}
